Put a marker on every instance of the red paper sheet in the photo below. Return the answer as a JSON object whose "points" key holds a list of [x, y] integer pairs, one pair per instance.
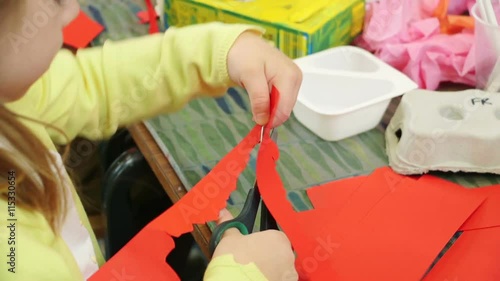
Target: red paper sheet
{"points": [[488, 214], [81, 31], [391, 227], [333, 195], [406, 230], [367, 195], [475, 256]]}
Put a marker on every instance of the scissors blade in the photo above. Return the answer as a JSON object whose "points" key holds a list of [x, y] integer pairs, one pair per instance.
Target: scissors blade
{"points": [[267, 221], [274, 135]]}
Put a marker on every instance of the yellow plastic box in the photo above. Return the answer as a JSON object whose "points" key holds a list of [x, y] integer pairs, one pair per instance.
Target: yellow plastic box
{"points": [[297, 28]]}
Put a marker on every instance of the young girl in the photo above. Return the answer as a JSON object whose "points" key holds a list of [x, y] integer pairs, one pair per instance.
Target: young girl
{"points": [[49, 96]]}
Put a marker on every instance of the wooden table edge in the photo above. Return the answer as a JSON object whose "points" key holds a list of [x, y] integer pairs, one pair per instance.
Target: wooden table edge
{"points": [[167, 177]]}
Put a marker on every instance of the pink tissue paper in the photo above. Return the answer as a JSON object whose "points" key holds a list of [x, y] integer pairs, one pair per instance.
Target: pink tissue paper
{"points": [[406, 35]]}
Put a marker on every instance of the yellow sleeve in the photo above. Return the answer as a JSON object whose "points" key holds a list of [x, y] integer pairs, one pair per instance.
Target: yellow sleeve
{"points": [[99, 89], [224, 268], [29, 250]]}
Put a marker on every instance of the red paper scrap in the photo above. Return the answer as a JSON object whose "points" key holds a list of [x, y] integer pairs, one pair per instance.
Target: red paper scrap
{"points": [[143, 16], [488, 214], [81, 31], [475, 256], [153, 24], [406, 229]]}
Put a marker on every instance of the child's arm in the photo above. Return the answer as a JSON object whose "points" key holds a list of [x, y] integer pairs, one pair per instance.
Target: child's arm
{"points": [[98, 90]]}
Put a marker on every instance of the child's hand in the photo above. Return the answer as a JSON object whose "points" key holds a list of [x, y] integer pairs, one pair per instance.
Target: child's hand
{"points": [[256, 65], [270, 250]]}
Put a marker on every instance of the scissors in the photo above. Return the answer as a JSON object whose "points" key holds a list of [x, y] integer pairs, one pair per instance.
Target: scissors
{"points": [[245, 221]]}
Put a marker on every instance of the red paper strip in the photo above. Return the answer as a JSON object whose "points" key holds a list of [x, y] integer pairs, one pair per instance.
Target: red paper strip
{"points": [[81, 31], [488, 214], [144, 256], [406, 230], [474, 256], [204, 202], [275, 198]]}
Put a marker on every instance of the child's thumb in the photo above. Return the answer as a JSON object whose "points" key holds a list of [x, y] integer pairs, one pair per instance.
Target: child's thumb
{"points": [[224, 215]]}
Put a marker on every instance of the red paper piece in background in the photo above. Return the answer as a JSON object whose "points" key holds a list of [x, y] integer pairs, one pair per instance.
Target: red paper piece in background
{"points": [[475, 256], [81, 31], [153, 24], [333, 195], [407, 229], [143, 16], [488, 214]]}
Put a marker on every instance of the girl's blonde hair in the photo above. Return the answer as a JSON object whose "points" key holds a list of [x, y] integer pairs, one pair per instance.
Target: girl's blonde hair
{"points": [[30, 176]]}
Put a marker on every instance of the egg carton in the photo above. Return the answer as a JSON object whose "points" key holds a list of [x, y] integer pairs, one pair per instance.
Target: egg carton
{"points": [[445, 131]]}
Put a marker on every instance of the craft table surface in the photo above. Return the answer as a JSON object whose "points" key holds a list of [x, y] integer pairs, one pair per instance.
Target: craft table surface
{"points": [[181, 148]]}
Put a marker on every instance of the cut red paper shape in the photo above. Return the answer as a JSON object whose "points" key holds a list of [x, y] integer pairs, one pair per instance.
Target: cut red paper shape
{"points": [[81, 31], [407, 229], [488, 214], [204, 201], [474, 256], [144, 256]]}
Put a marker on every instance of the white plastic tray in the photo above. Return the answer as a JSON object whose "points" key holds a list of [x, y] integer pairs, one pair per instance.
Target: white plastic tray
{"points": [[345, 91]]}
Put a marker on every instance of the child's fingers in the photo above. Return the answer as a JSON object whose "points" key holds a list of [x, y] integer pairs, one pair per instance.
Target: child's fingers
{"points": [[288, 84], [258, 90], [224, 216]]}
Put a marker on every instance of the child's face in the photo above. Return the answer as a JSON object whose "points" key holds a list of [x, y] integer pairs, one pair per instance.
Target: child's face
{"points": [[30, 37]]}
